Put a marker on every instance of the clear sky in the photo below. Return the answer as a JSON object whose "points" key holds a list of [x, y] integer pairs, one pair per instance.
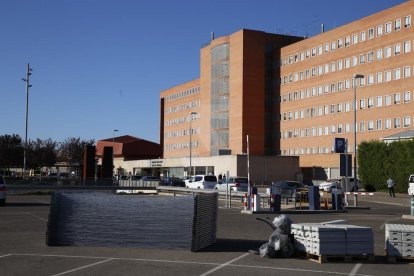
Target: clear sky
{"points": [[99, 65]]}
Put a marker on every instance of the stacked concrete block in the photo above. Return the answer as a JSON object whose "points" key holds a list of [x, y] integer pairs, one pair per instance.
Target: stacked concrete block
{"points": [[399, 240], [333, 239]]}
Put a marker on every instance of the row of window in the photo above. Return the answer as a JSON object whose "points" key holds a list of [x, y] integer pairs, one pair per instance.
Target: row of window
{"points": [[362, 126], [312, 150], [355, 38], [346, 106], [181, 133], [180, 146], [338, 65], [182, 107], [370, 79], [182, 94]]}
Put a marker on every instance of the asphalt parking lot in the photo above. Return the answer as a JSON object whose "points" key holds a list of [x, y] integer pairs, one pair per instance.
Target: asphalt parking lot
{"points": [[23, 250]]}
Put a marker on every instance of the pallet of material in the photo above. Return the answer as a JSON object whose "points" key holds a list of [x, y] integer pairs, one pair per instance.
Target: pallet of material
{"points": [[369, 258], [399, 240]]}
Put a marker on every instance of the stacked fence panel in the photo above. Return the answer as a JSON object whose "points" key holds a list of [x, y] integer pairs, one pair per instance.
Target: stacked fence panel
{"points": [[399, 240], [165, 222]]}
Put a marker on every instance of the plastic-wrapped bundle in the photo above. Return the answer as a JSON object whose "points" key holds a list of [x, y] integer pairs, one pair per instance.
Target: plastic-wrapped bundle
{"points": [[280, 244]]}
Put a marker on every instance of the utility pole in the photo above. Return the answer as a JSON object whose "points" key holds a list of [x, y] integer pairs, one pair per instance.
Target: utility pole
{"points": [[28, 85]]}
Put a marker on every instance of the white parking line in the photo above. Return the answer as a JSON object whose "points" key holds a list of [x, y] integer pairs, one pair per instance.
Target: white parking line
{"points": [[30, 214], [198, 263], [225, 264], [7, 255], [355, 270], [82, 267]]}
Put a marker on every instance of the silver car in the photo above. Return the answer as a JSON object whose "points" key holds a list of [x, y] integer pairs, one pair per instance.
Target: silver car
{"points": [[2, 191], [235, 184]]}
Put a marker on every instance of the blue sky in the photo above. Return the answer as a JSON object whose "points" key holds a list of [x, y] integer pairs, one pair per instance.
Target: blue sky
{"points": [[99, 65]]}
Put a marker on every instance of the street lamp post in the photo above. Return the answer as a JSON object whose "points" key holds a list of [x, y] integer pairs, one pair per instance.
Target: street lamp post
{"points": [[192, 114], [28, 85], [355, 77], [113, 149]]}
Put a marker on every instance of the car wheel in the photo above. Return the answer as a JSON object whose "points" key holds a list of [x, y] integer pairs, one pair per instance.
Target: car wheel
{"points": [[216, 189]]}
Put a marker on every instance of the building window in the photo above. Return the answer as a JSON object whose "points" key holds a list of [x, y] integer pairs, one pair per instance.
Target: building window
{"points": [[362, 59], [346, 84], [387, 75], [339, 128], [313, 52], [407, 96], [397, 24], [354, 38], [379, 30], [407, 21], [387, 100], [333, 46], [332, 87], [397, 99], [387, 52], [347, 41], [332, 108], [397, 49], [326, 130], [370, 79], [370, 125], [370, 56], [407, 121], [347, 107], [379, 77], [379, 101], [388, 27], [326, 47], [379, 54], [407, 71], [354, 61], [362, 104], [397, 74], [362, 36], [370, 102], [379, 124], [340, 107], [347, 63], [371, 33], [340, 43], [397, 122], [407, 46], [333, 129], [387, 123], [333, 66], [340, 64], [340, 86], [320, 50], [347, 128]]}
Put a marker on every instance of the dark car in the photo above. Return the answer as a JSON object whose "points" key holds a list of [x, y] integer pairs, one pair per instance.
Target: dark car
{"points": [[289, 187], [172, 181]]}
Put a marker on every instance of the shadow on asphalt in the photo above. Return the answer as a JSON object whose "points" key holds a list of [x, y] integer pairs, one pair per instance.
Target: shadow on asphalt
{"points": [[233, 245]]}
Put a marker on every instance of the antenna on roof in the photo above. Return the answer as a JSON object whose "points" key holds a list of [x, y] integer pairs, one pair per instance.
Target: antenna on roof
{"points": [[322, 28], [212, 36]]}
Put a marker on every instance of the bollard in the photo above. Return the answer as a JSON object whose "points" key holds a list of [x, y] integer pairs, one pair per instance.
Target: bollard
{"points": [[255, 202], [245, 202]]}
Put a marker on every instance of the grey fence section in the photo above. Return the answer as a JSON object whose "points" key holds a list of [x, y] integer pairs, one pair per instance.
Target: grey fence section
{"points": [[164, 222], [138, 183]]}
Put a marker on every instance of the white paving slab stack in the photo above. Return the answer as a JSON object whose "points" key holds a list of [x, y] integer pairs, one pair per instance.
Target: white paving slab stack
{"points": [[399, 240], [333, 239]]}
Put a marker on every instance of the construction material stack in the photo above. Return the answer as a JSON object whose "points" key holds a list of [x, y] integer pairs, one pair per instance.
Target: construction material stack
{"points": [[333, 239], [399, 240]]}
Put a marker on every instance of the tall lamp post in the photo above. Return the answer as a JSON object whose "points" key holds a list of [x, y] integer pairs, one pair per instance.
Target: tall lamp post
{"points": [[192, 114], [28, 85], [113, 149], [355, 77]]}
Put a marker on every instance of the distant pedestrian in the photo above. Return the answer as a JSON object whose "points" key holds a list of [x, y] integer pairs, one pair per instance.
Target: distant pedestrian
{"points": [[391, 184]]}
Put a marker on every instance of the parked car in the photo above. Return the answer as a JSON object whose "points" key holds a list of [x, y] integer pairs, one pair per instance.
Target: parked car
{"points": [[235, 183], [172, 181], [329, 185], [201, 182], [3, 194], [288, 187]]}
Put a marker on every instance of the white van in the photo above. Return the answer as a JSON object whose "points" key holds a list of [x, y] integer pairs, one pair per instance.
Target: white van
{"points": [[201, 182]]}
